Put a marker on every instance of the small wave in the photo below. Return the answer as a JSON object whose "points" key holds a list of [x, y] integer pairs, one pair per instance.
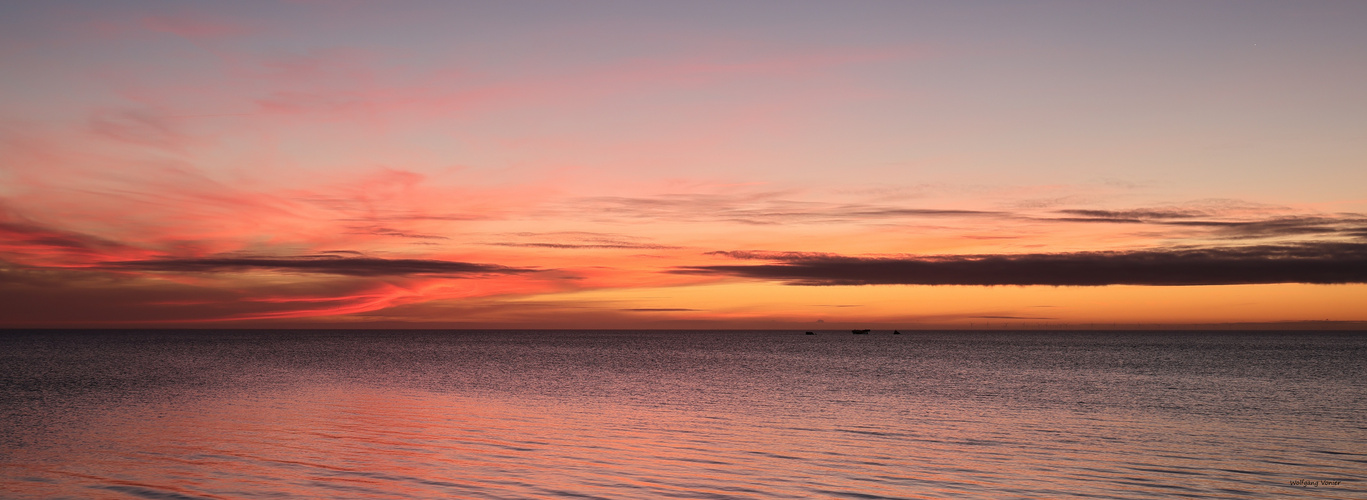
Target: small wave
{"points": [[139, 491]]}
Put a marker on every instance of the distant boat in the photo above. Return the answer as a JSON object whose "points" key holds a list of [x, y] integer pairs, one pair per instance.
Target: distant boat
{"points": [[859, 332], [810, 333], [895, 332]]}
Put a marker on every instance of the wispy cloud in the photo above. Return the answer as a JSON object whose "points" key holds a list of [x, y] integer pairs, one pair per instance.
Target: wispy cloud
{"points": [[388, 231], [33, 235], [763, 208], [579, 246], [322, 264], [138, 126], [1136, 215], [579, 240], [1350, 225], [67, 296], [42, 245], [1319, 263]]}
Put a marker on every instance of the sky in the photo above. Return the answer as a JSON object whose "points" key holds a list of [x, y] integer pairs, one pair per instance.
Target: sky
{"points": [[683, 165]]}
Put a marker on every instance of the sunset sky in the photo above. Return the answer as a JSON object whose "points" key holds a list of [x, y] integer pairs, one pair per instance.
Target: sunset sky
{"points": [[687, 164]]}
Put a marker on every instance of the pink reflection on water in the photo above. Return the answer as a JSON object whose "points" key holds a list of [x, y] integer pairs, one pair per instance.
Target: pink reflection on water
{"points": [[342, 439]]}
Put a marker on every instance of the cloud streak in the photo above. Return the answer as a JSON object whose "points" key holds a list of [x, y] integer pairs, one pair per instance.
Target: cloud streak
{"points": [[1348, 224], [578, 240], [578, 246], [319, 264], [1315, 263], [765, 208], [37, 244]]}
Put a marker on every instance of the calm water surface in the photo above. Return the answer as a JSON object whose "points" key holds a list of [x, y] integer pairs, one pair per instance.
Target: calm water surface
{"points": [[576, 414]]}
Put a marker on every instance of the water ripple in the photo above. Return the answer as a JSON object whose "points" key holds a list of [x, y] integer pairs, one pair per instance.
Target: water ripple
{"points": [[608, 415]]}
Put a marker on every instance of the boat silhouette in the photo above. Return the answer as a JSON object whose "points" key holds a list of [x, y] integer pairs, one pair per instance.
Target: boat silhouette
{"points": [[859, 332]]}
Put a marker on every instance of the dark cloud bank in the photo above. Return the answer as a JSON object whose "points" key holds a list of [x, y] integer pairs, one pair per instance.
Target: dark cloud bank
{"points": [[1316, 263], [320, 264], [1346, 225], [36, 236]]}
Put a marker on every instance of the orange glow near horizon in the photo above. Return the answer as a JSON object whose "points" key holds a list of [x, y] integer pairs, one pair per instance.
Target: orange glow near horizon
{"points": [[232, 166]]}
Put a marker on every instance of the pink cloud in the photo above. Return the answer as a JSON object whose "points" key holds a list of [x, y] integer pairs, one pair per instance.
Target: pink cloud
{"points": [[140, 127], [38, 245]]}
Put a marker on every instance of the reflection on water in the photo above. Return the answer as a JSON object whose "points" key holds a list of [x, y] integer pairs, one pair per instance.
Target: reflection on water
{"points": [[347, 414]]}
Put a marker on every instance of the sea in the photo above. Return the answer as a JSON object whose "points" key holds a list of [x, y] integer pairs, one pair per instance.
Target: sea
{"points": [[367, 414]]}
